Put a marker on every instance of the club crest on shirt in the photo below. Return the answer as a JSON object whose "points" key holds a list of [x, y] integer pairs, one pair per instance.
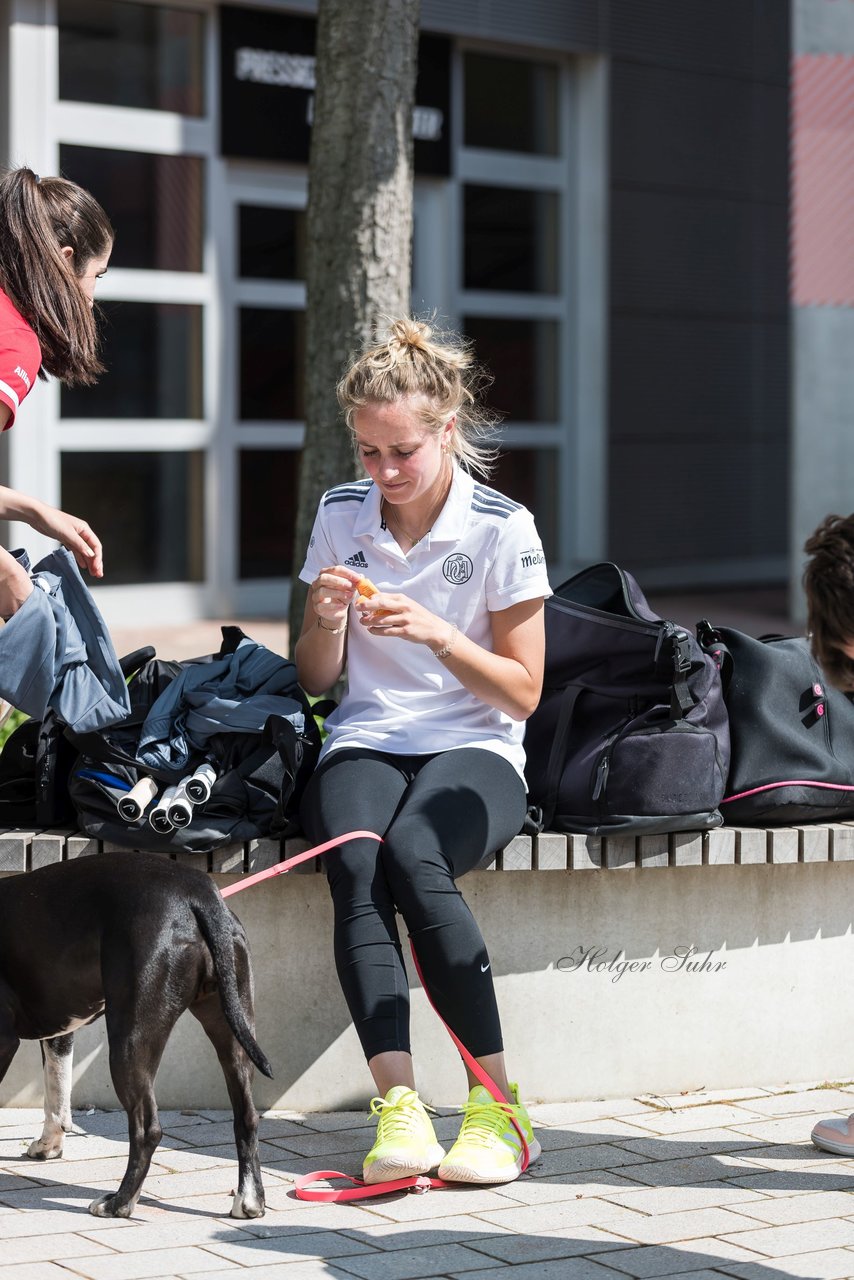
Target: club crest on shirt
{"points": [[458, 569]]}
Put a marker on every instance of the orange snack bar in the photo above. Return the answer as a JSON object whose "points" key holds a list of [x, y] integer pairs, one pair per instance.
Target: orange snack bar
{"points": [[366, 589]]}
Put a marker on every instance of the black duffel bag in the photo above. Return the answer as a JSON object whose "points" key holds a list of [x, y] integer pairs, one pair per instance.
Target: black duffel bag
{"points": [[792, 731], [631, 734]]}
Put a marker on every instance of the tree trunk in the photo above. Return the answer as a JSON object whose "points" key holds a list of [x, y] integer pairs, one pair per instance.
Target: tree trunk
{"points": [[359, 248]]}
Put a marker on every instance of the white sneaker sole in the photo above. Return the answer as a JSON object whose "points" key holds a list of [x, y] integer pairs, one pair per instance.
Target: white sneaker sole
{"points": [[838, 1148], [390, 1168], [466, 1173]]}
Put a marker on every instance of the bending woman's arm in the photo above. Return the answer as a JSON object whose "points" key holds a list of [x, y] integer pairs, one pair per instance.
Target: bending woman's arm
{"points": [[71, 531]]}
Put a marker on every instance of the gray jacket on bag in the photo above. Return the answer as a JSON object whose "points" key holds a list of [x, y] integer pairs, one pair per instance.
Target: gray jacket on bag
{"points": [[56, 650], [236, 693]]}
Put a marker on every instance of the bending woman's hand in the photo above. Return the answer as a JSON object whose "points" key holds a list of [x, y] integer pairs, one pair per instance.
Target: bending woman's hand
{"points": [[74, 533], [15, 584]]}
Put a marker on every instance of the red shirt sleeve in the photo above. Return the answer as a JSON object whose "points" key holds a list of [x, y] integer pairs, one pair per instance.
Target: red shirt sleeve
{"points": [[20, 357]]}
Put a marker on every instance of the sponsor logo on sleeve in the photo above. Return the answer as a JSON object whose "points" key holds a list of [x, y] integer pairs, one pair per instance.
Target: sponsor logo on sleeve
{"points": [[532, 558], [24, 376]]}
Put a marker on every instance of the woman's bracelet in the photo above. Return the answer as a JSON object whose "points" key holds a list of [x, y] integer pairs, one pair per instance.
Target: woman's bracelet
{"points": [[333, 631], [445, 651]]}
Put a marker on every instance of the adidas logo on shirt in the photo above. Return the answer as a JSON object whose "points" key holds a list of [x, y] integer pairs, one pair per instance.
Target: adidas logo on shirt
{"points": [[357, 561]]}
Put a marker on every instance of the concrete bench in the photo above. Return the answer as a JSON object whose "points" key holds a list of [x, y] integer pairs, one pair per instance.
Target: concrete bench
{"points": [[551, 851], [728, 968]]}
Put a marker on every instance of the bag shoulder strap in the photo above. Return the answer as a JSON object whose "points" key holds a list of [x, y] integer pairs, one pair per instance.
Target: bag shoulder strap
{"points": [[713, 644], [554, 769], [681, 698]]}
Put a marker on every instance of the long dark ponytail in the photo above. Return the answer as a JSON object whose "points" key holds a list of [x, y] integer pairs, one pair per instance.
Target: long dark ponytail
{"points": [[38, 216]]}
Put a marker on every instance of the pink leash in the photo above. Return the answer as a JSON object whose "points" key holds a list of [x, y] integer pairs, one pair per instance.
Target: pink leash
{"points": [[281, 867], [359, 1190]]}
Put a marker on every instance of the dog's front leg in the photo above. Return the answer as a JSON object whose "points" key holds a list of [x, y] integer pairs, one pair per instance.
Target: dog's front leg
{"points": [[57, 1059]]}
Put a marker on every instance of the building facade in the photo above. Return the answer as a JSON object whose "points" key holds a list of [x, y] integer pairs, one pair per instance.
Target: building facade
{"points": [[601, 204]]}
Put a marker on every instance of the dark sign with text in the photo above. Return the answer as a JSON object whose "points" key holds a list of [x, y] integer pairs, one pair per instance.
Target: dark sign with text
{"points": [[267, 76]]}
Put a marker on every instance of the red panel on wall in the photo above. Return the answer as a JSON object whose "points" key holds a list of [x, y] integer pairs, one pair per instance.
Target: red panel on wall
{"points": [[823, 180]]}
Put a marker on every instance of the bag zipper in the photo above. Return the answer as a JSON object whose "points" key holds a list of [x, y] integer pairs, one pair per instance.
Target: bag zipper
{"points": [[603, 768]]}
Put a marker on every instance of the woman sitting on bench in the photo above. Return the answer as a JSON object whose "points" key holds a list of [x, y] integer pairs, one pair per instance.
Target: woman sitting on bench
{"points": [[444, 664]]}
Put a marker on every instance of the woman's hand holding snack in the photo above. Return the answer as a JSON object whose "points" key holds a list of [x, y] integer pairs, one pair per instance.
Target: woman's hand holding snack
{"points": [[392, 614], [332, 593]]}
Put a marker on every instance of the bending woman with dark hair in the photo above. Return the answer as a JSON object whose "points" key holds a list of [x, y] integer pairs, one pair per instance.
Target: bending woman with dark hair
{"points": [[55, 242]]}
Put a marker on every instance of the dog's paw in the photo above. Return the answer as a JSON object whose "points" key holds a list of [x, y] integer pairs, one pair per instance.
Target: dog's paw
{"points": [[46, 1148], [110, 1207], [247, 1206]]}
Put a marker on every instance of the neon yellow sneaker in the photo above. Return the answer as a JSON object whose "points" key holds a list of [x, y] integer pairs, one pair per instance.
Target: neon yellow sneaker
{"points": [[488, 1148], [406, 1141]]}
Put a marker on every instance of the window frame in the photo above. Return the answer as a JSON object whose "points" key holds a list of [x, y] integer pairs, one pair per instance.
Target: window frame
{"points": [[40, 123], [491, 167]]}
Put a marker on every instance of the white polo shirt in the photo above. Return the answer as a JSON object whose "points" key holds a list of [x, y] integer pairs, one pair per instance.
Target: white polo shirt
{"points": [[482, 555]]}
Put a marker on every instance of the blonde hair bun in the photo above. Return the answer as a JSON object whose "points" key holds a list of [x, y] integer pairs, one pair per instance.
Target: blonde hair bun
{"points": [[413, 359]]}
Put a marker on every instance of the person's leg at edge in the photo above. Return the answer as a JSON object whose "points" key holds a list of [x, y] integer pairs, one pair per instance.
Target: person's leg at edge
{"points": [[358, 789], [461, 807]]}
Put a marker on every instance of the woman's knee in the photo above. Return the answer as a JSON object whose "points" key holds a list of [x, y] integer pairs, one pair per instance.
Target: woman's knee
{"points": [[354, 869], [350, 790], [417, 871]]}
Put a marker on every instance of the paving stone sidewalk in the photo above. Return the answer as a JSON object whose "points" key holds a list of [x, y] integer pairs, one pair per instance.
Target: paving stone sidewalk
{"points": [[700, 1186]]}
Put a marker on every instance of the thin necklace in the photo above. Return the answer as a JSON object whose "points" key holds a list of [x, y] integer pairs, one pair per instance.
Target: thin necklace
{"points": [[389, 515]]}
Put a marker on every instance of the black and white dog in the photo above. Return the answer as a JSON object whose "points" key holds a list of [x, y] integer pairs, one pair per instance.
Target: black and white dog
{"points": [[139, 939]]}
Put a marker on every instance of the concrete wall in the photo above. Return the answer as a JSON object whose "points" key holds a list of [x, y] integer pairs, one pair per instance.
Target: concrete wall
{"points": [[772, 1002]]}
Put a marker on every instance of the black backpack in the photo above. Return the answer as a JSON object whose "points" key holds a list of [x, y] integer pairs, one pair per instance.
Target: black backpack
{"points": [[631, 732], [34, 766], [792, 731], [258, 776]]}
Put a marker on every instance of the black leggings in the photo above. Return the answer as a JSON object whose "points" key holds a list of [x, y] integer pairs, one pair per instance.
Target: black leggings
{"points": [[439, 816]]}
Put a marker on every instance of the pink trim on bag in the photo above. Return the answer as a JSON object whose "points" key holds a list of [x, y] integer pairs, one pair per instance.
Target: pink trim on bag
{"points": [[794, 782]]}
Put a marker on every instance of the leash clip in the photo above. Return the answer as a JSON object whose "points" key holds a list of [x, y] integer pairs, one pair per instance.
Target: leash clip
{"points": [[421, 1186]]}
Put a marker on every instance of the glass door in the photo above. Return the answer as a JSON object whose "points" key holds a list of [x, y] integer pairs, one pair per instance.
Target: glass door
{"points": [[262, 260]]}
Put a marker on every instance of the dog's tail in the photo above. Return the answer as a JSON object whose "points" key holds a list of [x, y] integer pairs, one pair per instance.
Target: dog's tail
{"points": [[217, 930]]}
